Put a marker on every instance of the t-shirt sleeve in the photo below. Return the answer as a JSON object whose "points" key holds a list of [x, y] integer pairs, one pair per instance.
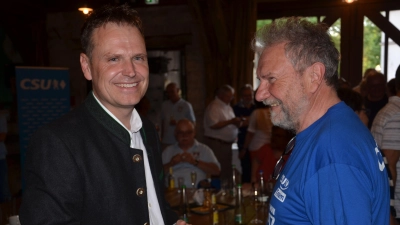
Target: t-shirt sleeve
{"points": [[190, 114], [338, 194]]}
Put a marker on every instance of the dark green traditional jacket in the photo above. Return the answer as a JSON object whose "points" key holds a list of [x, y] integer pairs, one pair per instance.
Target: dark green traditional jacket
{"points": [[80, 169]]}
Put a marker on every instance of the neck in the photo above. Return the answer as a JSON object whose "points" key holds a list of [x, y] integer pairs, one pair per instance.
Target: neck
{"points": [[124, 116], [174, 100], [246, 105], [323, 99], [185, 147]]}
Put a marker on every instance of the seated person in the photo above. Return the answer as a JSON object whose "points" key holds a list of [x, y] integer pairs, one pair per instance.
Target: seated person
{"points": [[189, 155]]}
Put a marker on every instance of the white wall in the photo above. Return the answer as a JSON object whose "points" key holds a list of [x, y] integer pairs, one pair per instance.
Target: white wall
{"points": [[394, 49]]}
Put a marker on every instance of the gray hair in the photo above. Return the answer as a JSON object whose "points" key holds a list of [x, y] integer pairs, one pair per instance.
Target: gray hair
{"points": [[306, 44], [225, 89]]}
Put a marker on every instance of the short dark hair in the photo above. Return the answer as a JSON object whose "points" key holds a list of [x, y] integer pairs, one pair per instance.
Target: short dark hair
{"points": [[122, 14], [306, 43]]}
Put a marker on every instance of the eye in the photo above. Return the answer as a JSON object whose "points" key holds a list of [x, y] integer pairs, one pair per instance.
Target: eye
{"points": [[140, 58], [113, 59], [271, 79]]}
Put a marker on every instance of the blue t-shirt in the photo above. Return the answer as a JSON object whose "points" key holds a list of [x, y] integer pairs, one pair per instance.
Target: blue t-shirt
{"points": [[335, 175]]}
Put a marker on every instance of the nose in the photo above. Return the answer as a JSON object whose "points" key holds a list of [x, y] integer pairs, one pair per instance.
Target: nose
{"points": [[129, 69], [262, 91]]}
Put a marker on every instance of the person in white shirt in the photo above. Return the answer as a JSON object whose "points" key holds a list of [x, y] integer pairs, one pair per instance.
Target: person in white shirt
{"points": [[221, 129]]}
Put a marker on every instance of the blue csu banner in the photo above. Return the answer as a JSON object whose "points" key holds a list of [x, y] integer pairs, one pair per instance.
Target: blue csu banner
{"points": [[43, 95]]}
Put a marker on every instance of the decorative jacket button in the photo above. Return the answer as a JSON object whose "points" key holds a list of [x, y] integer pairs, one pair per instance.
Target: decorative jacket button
{"points": [[140, 192], [137, 158]]}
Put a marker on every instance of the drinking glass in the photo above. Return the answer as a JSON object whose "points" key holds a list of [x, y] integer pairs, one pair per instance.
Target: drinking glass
{"points": [[181, 181], [224, 186], [193, 177], [257, 207]]}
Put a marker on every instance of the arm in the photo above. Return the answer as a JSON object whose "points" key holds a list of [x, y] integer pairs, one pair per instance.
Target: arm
{"points": [[174, 160], [207, 167], [341, 194], [235, 121], [392, 157], [249, 137], [54, 192]]}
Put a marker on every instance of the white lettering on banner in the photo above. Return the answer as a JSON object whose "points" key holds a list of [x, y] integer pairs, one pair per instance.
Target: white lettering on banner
{"points": [[280, 195], [41, 84]]}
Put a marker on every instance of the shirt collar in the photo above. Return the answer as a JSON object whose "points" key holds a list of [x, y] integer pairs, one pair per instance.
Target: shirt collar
{"points": [[135, 121], [195, 144]]}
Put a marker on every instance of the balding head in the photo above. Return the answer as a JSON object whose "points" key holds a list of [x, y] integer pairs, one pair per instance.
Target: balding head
{"points": [[172, 91], [225, 93], [185, 133]]}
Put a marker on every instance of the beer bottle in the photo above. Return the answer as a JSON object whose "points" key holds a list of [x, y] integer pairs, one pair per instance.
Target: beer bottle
{"points": [[184, 206], [171, 179], [214, 210], [261, 188], [239, 207]]}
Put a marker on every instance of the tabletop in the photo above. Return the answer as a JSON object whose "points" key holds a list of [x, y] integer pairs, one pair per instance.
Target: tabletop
{"points": [[198, 216]]}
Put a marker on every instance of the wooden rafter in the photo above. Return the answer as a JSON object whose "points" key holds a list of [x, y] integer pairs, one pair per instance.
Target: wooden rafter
{"points": [[385, 25]]}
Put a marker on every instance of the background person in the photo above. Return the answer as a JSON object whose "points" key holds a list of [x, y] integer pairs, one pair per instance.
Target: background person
{"points": [[221, 129], [101, 163], [386, 131], [376, 97], [188, 155], [172, 110], [259, 131], [243, 109]]}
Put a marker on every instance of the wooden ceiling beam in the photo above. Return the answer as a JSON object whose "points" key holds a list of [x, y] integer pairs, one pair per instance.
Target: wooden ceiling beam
{"points": [[272, 10], [385, 25]]}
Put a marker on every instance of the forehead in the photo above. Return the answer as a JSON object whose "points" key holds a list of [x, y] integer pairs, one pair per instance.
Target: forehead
{"points": [[184, 127], [273, 59], [113, 32]]}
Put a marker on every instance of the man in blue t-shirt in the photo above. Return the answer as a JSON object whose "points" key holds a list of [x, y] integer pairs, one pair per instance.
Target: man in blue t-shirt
{"points": [[335, 174]]}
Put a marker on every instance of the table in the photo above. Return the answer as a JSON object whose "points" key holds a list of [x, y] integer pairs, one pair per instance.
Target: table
{"points": [[226, 217]]}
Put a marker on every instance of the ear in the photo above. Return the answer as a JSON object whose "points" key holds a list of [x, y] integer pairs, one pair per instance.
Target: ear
{"points": [[315, 76], [85, 65]]}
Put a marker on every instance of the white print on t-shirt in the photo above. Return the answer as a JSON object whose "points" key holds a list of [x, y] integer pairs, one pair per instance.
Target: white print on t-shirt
{"points": [[271, 218], [284, 182], [280, 195], [381, 164]]}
